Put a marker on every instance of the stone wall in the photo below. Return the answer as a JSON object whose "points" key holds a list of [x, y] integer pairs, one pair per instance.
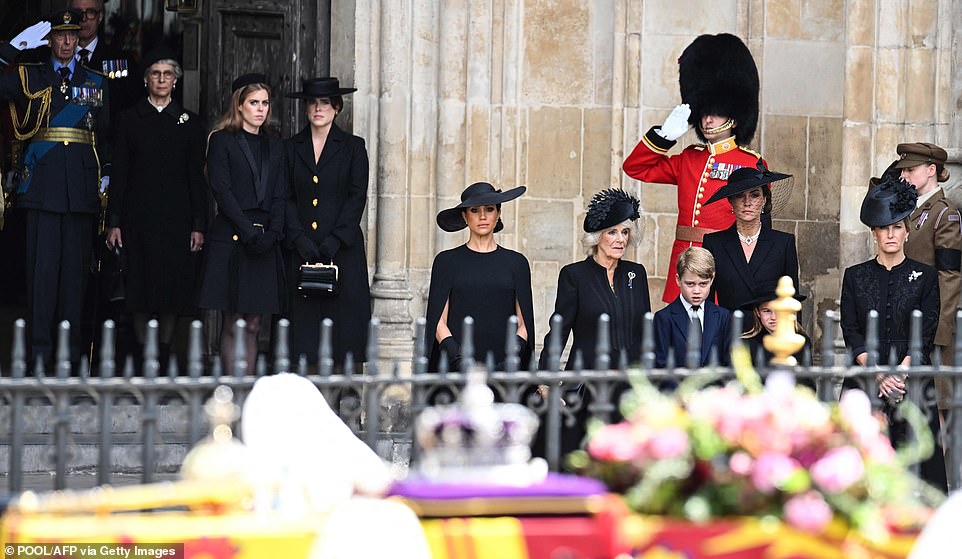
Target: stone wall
{"points": [[553, 93]]}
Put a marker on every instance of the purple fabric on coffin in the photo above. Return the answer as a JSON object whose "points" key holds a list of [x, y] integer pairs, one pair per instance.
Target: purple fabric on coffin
{"points": [[555, 485]]}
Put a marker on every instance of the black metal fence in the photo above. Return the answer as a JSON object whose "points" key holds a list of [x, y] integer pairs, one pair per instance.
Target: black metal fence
{"points": [[50, 423]]}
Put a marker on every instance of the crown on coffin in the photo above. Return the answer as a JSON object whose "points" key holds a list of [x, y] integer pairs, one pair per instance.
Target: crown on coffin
{"points": [[475, 438]]}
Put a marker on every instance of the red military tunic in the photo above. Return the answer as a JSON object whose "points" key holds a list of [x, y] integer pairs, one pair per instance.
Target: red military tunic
{"points": [[699, 171]]}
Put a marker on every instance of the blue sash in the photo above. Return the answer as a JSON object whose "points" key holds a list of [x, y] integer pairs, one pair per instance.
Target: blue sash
{"points": [[68, 117]]}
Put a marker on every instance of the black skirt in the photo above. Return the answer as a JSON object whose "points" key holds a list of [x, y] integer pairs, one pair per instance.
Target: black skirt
{"points": [[237, 281]]}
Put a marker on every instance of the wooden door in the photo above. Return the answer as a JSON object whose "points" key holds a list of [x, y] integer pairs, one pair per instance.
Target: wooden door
{"points": [[285, 39]]}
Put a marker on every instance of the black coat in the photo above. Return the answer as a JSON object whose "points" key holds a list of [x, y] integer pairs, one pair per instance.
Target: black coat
{"points": [[671, 333], [52, 188], [894, 294], [328, 211], [238, 276], [584, 295], [735, 279], [158, 195]]}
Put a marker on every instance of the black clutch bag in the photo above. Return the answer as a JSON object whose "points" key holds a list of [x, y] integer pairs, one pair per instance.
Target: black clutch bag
{"points": [[317, 279]]}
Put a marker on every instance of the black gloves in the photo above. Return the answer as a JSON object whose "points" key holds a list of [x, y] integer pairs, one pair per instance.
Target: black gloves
{"points": [[306, 249], [329, 247], [262, 243], [451, 347]]}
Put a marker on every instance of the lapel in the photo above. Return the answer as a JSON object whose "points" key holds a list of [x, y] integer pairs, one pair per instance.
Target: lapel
{"points": [[334, 143], [733, 249], [260, 180], [925, 207], [709, 329], [762, 247], [679, 317], [304, 147]]}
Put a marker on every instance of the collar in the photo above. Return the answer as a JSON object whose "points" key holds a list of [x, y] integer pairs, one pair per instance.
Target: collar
{"points": [[688, 307], [57, 65], [723, 146], [90, 47], [926, 197], [145, 107], [894, 268]]}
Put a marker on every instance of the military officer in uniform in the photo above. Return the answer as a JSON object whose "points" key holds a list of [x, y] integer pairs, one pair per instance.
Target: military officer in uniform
{"points": [[719, 92], [61, 117], [935, 231]]}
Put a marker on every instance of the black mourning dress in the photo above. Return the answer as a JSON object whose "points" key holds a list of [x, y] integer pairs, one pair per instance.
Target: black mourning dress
{"points": [[895, 294], [485, 286], [584, 295]]}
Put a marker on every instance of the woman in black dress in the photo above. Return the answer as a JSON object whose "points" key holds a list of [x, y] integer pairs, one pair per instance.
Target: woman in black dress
{"points": [[480, 279], [329, 176], [158, 199], [750, 253], [894, 286], [248, 176], [603, 283]]}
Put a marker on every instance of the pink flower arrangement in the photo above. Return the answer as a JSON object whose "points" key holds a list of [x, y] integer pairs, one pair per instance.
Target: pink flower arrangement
{"points": [[769, 451]]}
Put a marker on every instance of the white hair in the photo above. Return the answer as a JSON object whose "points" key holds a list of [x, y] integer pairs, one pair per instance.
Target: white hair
{"points": [[591, 239], [178, 71]]}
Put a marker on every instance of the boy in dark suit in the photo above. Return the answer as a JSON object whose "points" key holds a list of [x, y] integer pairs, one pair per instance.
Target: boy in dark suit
{"points": [[691, 309]]}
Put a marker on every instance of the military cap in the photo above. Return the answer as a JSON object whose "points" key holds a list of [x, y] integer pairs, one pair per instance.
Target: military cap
{"points": [[65, 20], [920, 153]]}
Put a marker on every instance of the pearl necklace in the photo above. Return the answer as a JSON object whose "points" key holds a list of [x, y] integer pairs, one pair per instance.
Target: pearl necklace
{"points": [[749, 239]]}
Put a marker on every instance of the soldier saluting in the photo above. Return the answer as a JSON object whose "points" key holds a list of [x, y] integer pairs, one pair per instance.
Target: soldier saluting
{"points": [[62, 121]]}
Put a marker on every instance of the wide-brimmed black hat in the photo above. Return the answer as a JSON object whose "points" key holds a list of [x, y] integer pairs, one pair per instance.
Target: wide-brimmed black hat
{"points": [[890, 201], [65, 20], [248, 79], [478, 194], [764, 293], [717, 75], [746, 178], [155, 55], [316, 88], [609, 208]]}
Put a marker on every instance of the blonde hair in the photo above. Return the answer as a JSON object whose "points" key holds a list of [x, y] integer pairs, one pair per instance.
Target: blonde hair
{"points": [[591, 239], [696, 260], [759, 328], [231, 121]]}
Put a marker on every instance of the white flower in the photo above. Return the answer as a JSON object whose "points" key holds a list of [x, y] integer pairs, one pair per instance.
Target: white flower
{"points": [[183, 118], [914, 275]]}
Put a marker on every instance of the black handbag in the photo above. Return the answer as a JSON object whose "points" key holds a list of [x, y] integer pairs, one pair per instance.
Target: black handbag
{"points": [[317, 279]]}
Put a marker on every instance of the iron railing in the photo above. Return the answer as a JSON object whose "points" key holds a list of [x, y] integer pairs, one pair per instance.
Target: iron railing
{"points": [[57, 418]]}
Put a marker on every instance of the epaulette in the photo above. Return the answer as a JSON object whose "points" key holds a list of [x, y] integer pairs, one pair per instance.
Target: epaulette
{"points": [[698, 147], [89, 69], [30, 63], [746, 150]]}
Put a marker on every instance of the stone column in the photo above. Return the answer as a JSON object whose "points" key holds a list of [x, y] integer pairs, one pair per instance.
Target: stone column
{"points": [[391, 87]]}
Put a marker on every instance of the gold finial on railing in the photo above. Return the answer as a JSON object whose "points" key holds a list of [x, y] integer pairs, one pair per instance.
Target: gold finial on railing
{"points": [[785, 341]]}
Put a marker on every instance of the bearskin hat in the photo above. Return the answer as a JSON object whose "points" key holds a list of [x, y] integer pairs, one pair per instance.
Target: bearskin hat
{"points": [[717, 75]]}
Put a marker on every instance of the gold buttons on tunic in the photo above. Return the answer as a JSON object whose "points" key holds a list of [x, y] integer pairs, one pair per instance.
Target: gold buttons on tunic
{"points": [[314, 202], [234, 237], [697, 212], [314, 225], [315, 179], [66, 143], [698, 205], [695, 222]]}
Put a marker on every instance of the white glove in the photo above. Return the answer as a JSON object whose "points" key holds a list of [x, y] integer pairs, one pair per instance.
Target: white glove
{"points": [[676, 124], [104, 184], [32, 37]]}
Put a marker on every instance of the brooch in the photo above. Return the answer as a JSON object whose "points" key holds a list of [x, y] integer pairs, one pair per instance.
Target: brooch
{"points": [[914, 275], [631, 279], [183, 118]]}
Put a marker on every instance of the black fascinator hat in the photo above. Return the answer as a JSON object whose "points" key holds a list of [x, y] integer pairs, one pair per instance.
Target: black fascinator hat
{"points": [[744, 179], [248, 79], [610, 207], [890, 201]]}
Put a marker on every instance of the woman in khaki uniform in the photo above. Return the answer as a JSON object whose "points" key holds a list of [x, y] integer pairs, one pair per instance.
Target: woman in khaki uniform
{"points": [[936, 240]]}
